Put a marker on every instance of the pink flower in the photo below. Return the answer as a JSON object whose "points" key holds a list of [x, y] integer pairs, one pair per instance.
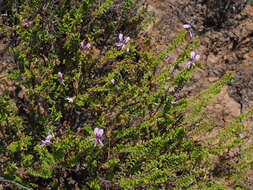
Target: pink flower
{"points": [[47, 140], [173, 102], [193, 58], [70, 100], [122, 42], [98, 133], [169, 58], [61, 77], [27, 23], [190, 63], [176, 97], [187, 26], [84, 48]]}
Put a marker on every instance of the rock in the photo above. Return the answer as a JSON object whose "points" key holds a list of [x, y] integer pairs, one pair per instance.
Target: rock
{"points": [[212, 59], [241, 87], [222, 109], [249, 9]]}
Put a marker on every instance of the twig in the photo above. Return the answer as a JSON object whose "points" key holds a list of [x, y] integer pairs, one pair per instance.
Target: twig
{"points": [[14, 183]]}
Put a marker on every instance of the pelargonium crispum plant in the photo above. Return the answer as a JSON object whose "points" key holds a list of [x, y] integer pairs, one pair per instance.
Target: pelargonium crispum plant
{"points": [[98, 112]]}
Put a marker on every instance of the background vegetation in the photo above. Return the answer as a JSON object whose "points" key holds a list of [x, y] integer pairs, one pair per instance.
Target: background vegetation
{"points": [[70, 88]]}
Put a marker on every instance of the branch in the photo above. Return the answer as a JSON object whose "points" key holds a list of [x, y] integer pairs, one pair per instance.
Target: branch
{"points": [[14, 183]]}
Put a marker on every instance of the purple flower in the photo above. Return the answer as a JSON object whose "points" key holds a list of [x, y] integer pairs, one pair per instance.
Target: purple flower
{"points": [[241, 135], [122, 42], [98, 133], [70, 100], [61, 76], [112, 80], [169, 58], [193, 58], [84, 48], [173, 102], [27, 23], [190, 63], [47, 140], [176, 95], [187, 26]]}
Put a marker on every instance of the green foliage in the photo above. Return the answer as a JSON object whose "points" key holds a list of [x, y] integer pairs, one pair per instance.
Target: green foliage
{"points": [[13, 147], [149, 141]]}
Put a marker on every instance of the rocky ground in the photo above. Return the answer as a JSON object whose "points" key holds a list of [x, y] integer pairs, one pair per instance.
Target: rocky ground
{"points": [[224, 46]]}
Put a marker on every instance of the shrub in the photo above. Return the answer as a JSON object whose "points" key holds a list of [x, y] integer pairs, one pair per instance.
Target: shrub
{"points": [[96, 114]]}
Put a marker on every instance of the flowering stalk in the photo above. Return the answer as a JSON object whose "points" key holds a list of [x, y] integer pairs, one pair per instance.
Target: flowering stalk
{"points": [[61, 77], [27, 23], [176, 97], [193, 57], [122, 42], [169, 58], [47, 140], [84, 48], [98, 133], [188, 27]]}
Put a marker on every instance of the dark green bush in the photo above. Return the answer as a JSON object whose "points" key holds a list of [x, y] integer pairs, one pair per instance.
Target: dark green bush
{"points": [[148, 130]]}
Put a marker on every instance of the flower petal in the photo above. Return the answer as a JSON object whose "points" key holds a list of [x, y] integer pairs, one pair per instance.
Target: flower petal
{"points": [[88, 46], [82, 45], [192, 55], [189, 64], [176, 95], [186, 26], [100, 132], [127, 39], [70, 100], [49, 137], [120, 37], [27, 23], [101, 142], [169, 58], [96, 131], [45, 141], [60, 74], [197, 57]]}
